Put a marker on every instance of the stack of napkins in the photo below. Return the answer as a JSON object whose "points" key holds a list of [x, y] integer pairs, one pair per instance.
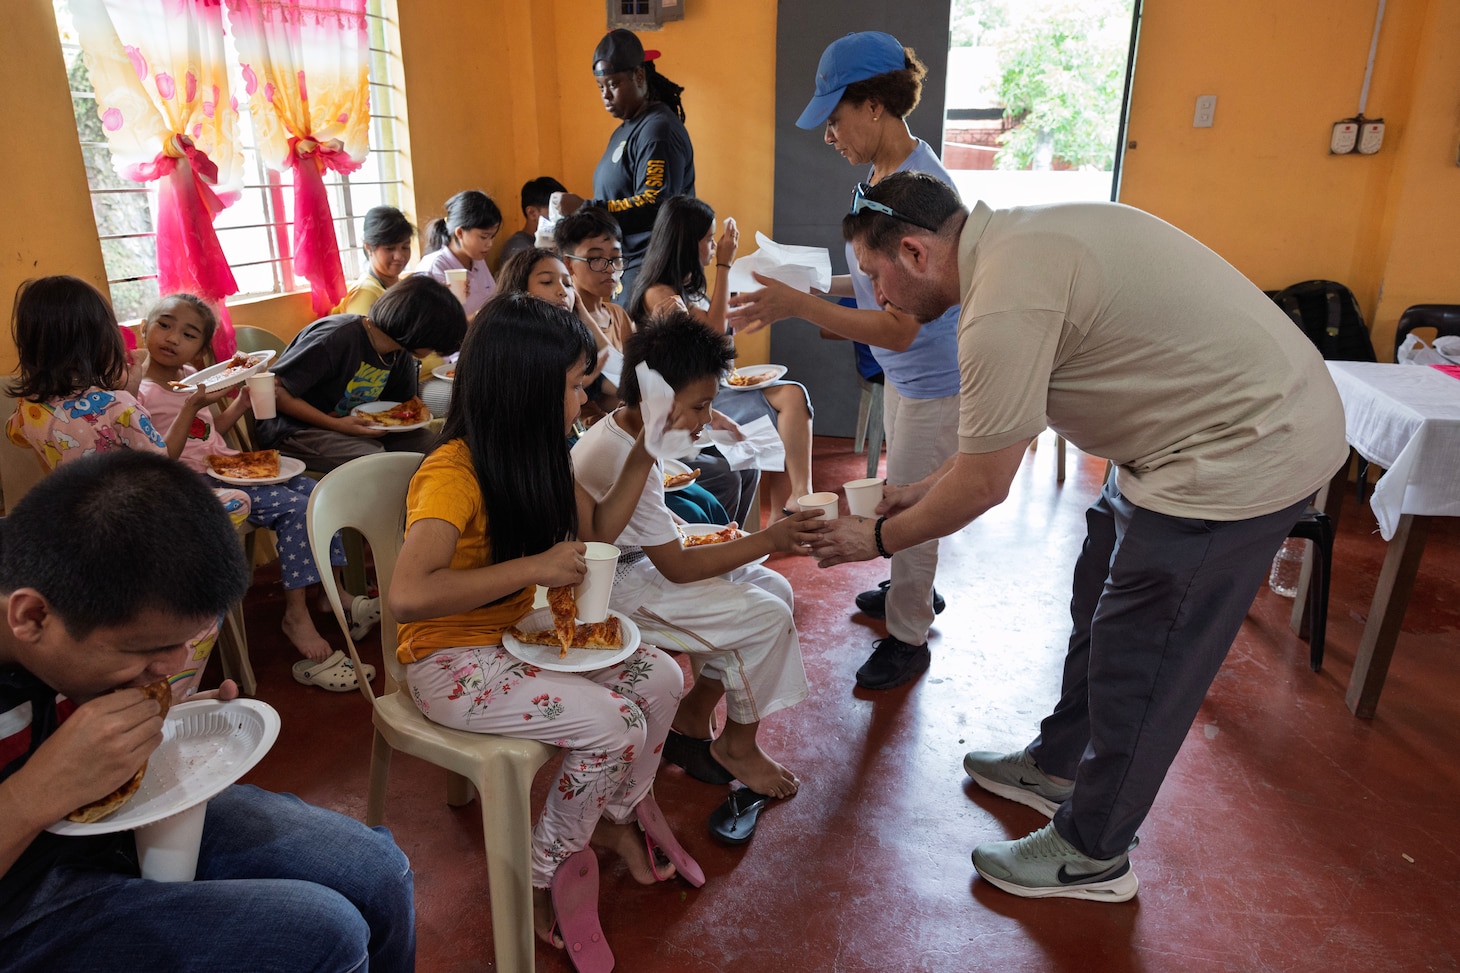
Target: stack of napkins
{"points": [[804, 268]]}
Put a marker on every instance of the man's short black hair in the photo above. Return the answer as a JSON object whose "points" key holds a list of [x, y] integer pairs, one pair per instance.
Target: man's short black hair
{"points": [[679, 348], [111, 535], [923, 199], [420, 312], [538, 192]]}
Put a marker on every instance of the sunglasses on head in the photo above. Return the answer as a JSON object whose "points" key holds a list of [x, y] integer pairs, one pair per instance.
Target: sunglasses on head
{"points": [[860, 201]]}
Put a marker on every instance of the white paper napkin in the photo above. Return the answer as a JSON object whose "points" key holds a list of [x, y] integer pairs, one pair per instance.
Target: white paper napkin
{"points": [[804, 268], [656, 406], [760, 446]]}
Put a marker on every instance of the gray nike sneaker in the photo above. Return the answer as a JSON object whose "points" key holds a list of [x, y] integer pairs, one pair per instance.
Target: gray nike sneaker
{"points": [[1045, 865], [1014, 775]]}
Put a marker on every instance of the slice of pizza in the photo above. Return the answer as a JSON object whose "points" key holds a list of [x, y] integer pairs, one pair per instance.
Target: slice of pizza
{"points": [[717, 537], [605, 635], [408, 413], [262, 464], [672, 480], [564, 607]]}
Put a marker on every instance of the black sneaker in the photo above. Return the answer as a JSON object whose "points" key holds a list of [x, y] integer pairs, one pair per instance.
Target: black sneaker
{"points": [[893, 663], [873, 604]]}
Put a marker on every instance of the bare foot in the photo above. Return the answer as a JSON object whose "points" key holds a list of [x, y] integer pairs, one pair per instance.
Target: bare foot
{"points": [[543, 917], [753, 768], [627, 841], [300, 630]]}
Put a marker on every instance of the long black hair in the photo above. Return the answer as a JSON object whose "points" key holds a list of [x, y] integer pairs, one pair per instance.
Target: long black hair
{"points": [[471, 209], [66, 335], [673, 256], [662, 89], [507, 406], [516, 272]]}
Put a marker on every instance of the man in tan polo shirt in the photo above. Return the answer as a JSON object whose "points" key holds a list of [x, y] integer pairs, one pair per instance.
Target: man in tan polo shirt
{"points": [[1136, 343]]}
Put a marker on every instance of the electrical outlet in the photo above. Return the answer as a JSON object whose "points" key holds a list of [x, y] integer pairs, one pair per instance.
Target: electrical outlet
{"points": [[1206, 112], [1371, 136], [1345, 136]]}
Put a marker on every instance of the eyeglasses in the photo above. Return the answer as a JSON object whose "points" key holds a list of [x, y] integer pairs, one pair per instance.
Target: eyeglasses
{"points": [[599, 264], [861, 202]]}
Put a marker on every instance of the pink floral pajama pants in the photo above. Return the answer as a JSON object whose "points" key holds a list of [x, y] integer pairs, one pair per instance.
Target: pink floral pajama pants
{"points": [[611, 723]]}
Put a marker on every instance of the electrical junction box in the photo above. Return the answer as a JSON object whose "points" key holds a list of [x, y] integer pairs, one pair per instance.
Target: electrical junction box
{"points": [[1206, 112], [1371, 135], [1345, 136]]}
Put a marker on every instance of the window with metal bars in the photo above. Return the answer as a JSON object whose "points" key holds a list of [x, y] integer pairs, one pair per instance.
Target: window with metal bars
{"points": [[254, 231]]}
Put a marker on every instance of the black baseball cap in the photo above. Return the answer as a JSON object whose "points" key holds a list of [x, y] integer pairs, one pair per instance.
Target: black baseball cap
{"points": [[622, 52]]}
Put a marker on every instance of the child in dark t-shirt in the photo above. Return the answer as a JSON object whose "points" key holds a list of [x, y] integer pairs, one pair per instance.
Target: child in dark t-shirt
{"points": [[344, 361]]}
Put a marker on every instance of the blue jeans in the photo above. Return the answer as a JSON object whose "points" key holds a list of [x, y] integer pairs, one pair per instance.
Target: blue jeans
{"points": [[281, 886]]}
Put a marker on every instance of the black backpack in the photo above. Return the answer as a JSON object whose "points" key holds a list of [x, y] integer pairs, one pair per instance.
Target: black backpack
{"points": [[1329, 315]]}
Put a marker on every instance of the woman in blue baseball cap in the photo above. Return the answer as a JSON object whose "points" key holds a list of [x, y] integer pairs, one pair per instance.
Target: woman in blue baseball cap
{"points": [[867, 84]]}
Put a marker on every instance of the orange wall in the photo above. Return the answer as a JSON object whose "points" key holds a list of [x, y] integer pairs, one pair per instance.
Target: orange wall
{"points": [[1260, 188], [44, 206]]}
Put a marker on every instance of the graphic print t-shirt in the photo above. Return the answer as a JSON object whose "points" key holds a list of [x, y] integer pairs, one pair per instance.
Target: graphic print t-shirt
{"points": [[332, 366]]}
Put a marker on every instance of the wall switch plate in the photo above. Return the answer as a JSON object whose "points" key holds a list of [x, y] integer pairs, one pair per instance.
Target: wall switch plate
{"points": [[1206, 112], [1371, 136], [1345, 136]]}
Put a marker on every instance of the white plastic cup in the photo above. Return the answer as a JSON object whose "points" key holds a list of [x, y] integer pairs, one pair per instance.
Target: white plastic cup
{"points": [[168, 850], [863, 496], [825, 502], [261, 395], [456, 282], [593, 591]]}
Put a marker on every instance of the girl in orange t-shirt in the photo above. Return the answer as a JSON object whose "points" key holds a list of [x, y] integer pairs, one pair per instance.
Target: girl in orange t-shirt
{"points": [[494, 511]]}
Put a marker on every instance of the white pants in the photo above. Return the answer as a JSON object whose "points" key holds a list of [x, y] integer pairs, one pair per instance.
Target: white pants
{"points": [[738, 624], [921, 435]]}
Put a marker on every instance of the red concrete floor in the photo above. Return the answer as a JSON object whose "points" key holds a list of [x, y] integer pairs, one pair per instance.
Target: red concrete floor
{"points": [[1289, 835]]}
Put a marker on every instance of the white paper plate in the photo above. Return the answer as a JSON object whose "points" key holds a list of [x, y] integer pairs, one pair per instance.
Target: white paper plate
{"points": [[447, 372], [763, 374], [383, 406], [578, 660], [691, 529], [673, 467], [206, 745], [289, 468], [219, 376]]}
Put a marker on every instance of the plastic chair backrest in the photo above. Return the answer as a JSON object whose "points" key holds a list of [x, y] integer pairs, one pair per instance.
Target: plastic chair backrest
{"points": [[368, 494], [1443, 318], [20, 466], [257, 339]]}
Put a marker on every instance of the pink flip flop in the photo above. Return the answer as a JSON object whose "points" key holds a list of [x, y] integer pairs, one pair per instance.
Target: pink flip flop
{"points": [[657, 835], [575, 909]]}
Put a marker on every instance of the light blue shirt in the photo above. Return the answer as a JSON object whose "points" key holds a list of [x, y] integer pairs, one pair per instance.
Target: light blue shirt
{"points": [[927, 368]]}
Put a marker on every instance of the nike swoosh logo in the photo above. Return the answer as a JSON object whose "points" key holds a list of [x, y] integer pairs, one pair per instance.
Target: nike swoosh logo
{"points": [[1065, 878], [1028, 783]]}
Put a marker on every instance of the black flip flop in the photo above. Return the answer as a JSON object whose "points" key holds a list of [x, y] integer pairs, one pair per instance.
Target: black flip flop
{"points": [[695, 757], [734, 821]]}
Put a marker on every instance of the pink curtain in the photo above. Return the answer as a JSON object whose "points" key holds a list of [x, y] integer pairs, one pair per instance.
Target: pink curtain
{"points": [[161, 82], [306, 72]]}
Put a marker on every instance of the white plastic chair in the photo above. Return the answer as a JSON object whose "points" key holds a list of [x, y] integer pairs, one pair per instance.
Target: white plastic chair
{"points": [[369, 494]]}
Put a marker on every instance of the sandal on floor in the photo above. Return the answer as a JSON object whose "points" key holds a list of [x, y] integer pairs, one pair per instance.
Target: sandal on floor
{"points": [[734, 821], [695, 757], [658, 838], [575, 913], [364, 615], [336, 674]]}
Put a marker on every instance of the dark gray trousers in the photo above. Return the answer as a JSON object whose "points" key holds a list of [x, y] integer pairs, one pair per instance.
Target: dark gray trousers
{"points": [[1157, 602]]}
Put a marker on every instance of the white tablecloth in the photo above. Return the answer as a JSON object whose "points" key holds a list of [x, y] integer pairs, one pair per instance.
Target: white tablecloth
{"points": [[1406, 419]]}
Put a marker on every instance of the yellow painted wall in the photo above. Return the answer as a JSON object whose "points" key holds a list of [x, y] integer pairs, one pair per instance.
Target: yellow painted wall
{"points": [[1260, 187], [44, 206]]}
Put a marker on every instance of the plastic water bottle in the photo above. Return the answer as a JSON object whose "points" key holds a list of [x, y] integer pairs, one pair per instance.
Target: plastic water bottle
{"points": [[1286, 567]]}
